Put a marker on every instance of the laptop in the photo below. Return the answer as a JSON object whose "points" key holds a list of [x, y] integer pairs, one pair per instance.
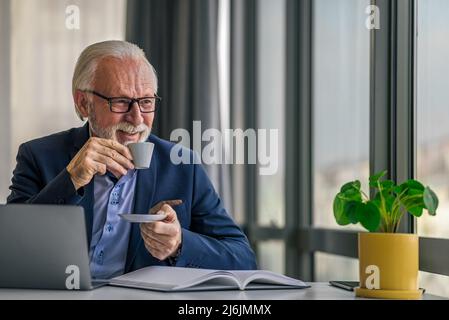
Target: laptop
{"points": [[44, 247]]}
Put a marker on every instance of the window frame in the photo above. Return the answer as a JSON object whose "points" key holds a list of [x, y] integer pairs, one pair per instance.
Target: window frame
{"points": [[392, 101]]}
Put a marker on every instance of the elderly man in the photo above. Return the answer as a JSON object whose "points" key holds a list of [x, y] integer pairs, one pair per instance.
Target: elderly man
{"points": [[115, 88]]}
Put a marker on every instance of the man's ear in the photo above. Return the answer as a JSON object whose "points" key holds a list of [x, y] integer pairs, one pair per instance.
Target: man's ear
{"points": [[82, 103]]}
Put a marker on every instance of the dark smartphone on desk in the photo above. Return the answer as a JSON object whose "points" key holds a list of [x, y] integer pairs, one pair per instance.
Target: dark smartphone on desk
{"points": [[350, 285], [346, 285]]}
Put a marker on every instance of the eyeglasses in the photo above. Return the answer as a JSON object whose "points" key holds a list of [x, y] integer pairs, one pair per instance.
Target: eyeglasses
{"points": [[124, 104]]}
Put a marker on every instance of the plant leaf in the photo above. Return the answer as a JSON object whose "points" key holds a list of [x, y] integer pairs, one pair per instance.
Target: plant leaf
{"points": [[416, 211], [387, 185], [411, 187], [369, 216], [351, 194], [430, 201], [414, 205], [351, 211], [339, 212], [398, 189], [415, 192], [354, 185], [376, 201], [375, 178], [416, 185]]}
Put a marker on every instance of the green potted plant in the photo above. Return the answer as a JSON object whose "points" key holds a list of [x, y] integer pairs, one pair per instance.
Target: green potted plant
{"points": [[388, 260]]}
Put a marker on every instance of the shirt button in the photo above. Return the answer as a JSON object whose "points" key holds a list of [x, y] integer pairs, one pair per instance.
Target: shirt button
{"points": [[100, 257]]}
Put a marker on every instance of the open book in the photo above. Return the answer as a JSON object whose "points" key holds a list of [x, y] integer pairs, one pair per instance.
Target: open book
{"points": [[190, 279]]}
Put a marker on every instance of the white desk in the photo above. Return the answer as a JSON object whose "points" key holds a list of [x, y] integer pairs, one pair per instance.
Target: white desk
{"points": [[318, 291]]}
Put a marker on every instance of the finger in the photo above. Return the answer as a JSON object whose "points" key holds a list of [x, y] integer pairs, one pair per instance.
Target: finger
{"points": [[154, 246], [171, 214], [99, 167], [162, 228], [162, 239], [159, 251], [91, 153], [151, 237], [158, 206], [145, 231], [116, 156], [113, 166], [116, 146]]}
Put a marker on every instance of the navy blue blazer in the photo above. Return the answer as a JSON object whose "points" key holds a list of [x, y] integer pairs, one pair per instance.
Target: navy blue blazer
{"points": [[210, 238]]}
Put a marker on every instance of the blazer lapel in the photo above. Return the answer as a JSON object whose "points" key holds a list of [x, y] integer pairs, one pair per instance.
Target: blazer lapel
{"points": [[144, 193], [80, 137]]}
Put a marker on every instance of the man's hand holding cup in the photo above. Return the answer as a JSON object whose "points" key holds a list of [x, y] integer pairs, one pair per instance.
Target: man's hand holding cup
{"points": [[98, 156]]}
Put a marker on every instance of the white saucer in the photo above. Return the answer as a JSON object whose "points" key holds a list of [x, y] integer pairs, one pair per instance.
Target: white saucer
{"points": [[142, 218]]}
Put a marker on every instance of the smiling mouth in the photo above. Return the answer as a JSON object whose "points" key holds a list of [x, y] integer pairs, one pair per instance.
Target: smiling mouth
{"points": [[128, 133]]}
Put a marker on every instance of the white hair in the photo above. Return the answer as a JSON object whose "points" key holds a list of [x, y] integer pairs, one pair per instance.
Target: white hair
{"points": [[87, 63]]}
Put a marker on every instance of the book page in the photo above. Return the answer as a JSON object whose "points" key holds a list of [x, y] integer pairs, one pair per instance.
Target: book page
{"points": [[163, 277], [192, 279], [214, 281], [266, 277], [173, 278]]}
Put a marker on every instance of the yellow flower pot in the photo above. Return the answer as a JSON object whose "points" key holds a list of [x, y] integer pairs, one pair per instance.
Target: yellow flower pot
{"points": [[388, 266]]}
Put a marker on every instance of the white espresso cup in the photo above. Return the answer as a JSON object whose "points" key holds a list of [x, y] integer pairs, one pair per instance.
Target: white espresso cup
{"points": [[141, 153]]}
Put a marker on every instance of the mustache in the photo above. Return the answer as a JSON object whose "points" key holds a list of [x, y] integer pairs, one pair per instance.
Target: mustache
{"points": [[129, 128]]}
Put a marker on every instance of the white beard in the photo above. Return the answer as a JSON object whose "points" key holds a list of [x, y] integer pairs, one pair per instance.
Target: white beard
{"points": [[110, 132]]}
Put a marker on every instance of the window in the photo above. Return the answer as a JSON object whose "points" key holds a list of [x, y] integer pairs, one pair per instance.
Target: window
{"points": [[44, 53], [269, 115], [432, 111], [271, 105], [434, 283], [271, 255], [433, 124], [340, 111], [340, 101], [332, 267]]}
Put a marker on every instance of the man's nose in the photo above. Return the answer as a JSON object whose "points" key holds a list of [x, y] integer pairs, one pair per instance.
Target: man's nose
{"points": [[134, 115]]}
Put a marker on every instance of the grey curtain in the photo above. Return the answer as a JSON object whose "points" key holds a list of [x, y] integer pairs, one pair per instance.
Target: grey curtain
{"points": [[180, 40], [5, 91]]}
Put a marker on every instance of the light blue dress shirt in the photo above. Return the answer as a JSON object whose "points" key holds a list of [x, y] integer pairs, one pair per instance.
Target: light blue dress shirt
{"points": [[110, 233]]}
